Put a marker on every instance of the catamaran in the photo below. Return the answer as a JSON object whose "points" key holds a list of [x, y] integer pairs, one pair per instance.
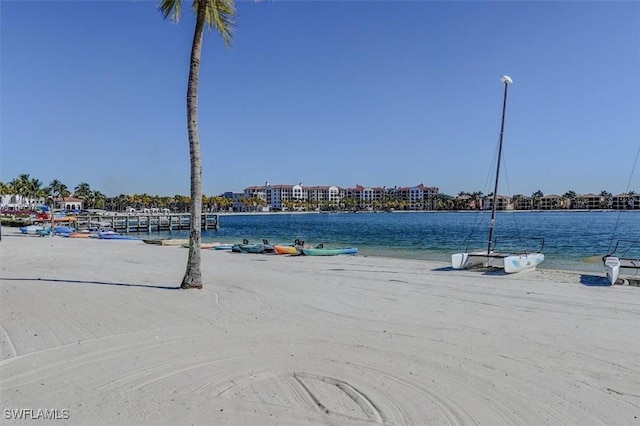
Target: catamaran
{"points": [[510, 261], [621, 257]]}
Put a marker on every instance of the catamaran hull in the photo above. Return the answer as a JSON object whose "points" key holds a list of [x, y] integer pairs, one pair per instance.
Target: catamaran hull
{"points": [[511, 263], [612, 269], [467, 260], [522, 262]]}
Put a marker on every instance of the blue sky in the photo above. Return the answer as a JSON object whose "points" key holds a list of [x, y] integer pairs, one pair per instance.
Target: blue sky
{"points": [[324, 93]]}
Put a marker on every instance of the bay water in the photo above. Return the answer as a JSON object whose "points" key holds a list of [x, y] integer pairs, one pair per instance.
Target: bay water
{"points": [[569, 236]]}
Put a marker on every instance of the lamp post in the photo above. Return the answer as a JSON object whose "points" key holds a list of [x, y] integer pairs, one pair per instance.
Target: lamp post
{"points": [[506, 80]]}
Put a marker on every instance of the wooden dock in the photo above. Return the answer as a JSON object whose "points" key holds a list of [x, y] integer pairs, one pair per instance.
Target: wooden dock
{"points": [[146, 222]]}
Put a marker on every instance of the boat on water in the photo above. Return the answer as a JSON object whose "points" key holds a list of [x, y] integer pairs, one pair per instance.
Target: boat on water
{"points": [[622, 259], [329, 251], [510, 261]]}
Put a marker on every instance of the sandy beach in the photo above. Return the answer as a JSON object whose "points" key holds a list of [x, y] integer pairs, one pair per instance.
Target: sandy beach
{"points": [[96, 332]]}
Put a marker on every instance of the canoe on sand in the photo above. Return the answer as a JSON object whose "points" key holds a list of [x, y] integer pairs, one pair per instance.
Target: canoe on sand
{"points": [[329, 251]]}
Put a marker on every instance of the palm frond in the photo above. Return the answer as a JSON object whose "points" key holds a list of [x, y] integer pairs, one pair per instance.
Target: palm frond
{"points": [[170, 7], [219, 14]]}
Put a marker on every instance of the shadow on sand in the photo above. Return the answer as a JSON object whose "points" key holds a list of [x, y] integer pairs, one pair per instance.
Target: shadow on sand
{"points": [[480, 270], [594, 281], [53, 280]]}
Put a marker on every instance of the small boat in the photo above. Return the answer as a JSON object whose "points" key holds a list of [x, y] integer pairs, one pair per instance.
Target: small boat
{"points": [[223, 247], [102, 232], [58, 230], [510, 261], [613, 264], [204, 246], [245, 247], [174, 241], [31, 229], [329, 251], [80, 235], [153, 241], [295, 248], [116, 236], [278, 249]]}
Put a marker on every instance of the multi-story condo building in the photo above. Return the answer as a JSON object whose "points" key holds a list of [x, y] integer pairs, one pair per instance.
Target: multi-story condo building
{"points": [[278, 197], [625, 201], [551, 202], [502, 202]]}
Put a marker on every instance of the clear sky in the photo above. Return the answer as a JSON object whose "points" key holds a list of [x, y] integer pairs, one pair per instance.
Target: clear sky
{"points": [[324, 93]]}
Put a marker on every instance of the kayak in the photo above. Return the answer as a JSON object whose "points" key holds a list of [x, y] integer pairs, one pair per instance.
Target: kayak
{"points": [[329, 251]]}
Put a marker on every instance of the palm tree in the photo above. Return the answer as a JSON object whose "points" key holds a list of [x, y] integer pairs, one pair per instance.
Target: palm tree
{"points": [[59, 190], [605, 202], [83, 189], [218, 14], [630, 199], [536, 197], [21, 187], [56, 189], [571, 196]]}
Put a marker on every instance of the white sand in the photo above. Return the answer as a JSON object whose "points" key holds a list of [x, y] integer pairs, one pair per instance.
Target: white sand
{"points": [[95, 328]]}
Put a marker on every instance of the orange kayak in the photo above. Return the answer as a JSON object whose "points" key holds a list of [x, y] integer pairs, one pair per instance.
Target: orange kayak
{"points": [[285, 249], [79, 235]]}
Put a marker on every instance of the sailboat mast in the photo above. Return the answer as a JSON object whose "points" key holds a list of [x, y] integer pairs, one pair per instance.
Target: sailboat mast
{"points": [[506, 80]]}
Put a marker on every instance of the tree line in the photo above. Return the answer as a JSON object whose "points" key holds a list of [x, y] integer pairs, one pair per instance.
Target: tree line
{"points": [[31, 188]]}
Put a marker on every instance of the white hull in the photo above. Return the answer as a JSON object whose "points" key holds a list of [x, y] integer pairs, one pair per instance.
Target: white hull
{"points": [[612, 269], [522, 262], [464, 261], [511, 263]]}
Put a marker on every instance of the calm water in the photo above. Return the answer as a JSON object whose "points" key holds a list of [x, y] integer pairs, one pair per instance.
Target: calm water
{"points": [[568, 236]]}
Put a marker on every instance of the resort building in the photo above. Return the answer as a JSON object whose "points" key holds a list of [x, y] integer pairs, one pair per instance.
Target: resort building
{"points": [[589, 202], [522, 202], [67, 203], [19, 202], [626, 201], [420, 197], [552, 202], [502, 202], [331, 197]]}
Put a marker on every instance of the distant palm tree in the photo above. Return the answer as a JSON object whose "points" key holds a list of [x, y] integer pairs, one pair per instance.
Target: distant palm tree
{"points": [[605, 201], [212, 13], [82, 191], [630, 199], [536, 198], [59, 190], [571, 196]]}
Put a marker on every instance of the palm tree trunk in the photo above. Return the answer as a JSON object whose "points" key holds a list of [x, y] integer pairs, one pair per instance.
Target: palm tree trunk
{"points": [[193, 275]]}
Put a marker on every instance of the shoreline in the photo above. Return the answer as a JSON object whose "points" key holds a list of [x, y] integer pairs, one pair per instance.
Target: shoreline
{"points": [[99, 328]]}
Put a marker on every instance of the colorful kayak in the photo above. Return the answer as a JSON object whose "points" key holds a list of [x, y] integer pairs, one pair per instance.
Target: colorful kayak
{"points": [[223, 247], [329, 251], [108, 236], [80, 235], [278, 249], [31, 229]]}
